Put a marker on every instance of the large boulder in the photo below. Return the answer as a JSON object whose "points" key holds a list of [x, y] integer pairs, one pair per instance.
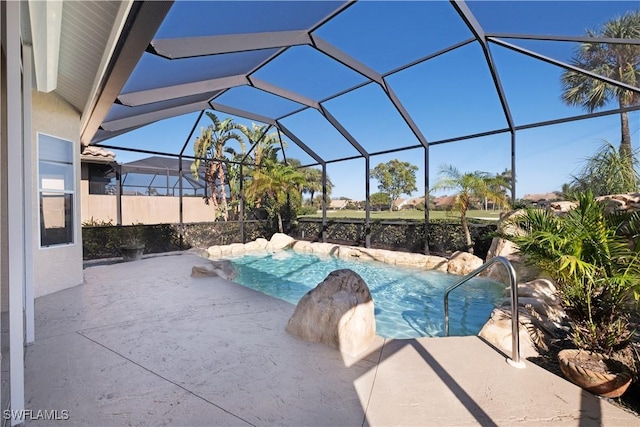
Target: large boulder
{"points": [[621, 202], [497, 331], [540, 318], [222, 269], [338, 312], [509, 250], [463, 263], [280, 241]]}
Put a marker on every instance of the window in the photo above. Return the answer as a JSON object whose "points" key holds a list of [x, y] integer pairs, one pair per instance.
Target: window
{"points": [[56, 188], [101, 178]]}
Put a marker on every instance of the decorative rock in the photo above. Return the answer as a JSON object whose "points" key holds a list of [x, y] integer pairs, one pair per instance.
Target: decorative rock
{"points": [[540, 313], [214, 252], [324, 248], [507, 223], [541, 289], [301, 246], [621, 202], [223, 269], [350, 252], [438, 263], [338, 312], [370, 254], [410, 259], [463, 263], [555, 313], [256, 245], [501, 247], [562, 206], [497, 331], [280, 241], [460, 263], [508, 250]]}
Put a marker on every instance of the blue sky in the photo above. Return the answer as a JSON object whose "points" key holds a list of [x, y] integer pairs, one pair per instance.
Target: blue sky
{"points": [[448, 96]]}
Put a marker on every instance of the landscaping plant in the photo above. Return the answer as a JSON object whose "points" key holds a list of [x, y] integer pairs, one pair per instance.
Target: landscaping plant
{"points": [[593, 256]]}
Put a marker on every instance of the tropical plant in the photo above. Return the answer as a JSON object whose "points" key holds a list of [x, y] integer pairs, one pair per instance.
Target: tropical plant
{"points": [[607, 172], [209, 149], [620, 62], [312, 180], [272, 184], [262, 144], [470, 187], [590, 254], [395, 178], [234, 176], [498, 184]]}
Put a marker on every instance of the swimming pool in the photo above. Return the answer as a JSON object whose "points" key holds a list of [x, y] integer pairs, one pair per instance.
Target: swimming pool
{"points": [[408, 302]]}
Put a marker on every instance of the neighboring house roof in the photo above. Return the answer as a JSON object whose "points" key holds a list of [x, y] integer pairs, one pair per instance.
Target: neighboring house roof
{"points": [[94, 154], [444, 201], [157, 164], [338, 204], [542, 196], [398, 203], [415, 201]]}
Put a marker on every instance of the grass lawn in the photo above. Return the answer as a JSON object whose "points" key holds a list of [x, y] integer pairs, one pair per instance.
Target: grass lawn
{"points": [[407, 214]]}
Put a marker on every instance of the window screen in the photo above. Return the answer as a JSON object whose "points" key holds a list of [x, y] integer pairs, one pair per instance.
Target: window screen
{"points": [[56, 188]]}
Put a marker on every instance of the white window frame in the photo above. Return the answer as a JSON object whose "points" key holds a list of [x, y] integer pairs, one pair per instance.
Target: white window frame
{"points": [[72, 192]]}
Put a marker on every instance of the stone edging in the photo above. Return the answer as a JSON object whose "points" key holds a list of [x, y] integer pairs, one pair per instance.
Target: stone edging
{"points": [[459, 263]]}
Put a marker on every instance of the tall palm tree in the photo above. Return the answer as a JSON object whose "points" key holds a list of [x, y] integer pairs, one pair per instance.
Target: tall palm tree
{"points": [[266, 144], [469, 187], [615, 61], [209, 148], [233, 178], [263, 146]]}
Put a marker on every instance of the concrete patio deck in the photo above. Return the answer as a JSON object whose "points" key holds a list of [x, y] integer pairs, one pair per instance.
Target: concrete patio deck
{"points": [[143, 343]]}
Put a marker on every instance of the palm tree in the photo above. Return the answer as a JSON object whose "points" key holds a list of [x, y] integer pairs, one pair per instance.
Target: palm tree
{"points": [[498, 184], [209, 148], [607, 172], [271, 183], [616, 61], [266, 144], [470, 187], [233, 178], [312, 180]]}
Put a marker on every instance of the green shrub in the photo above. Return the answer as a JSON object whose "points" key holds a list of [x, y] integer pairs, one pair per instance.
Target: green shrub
{"points": [[595, 264]]}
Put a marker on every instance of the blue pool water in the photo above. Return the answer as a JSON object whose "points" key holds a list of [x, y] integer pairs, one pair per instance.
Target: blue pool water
{"points": [[408, 302]]}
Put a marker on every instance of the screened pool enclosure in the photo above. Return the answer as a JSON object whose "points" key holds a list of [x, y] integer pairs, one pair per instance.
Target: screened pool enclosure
{"points": [[450, 78]]}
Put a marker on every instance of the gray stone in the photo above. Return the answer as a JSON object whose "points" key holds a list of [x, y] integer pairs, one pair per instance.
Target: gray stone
{"points": [[338, 312]]}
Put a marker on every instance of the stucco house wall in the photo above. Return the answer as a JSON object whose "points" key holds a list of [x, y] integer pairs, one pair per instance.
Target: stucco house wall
{"points": [[56, 267]]}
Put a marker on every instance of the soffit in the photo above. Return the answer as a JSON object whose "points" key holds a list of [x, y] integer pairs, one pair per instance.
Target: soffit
{"points": [[86, 30]]}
